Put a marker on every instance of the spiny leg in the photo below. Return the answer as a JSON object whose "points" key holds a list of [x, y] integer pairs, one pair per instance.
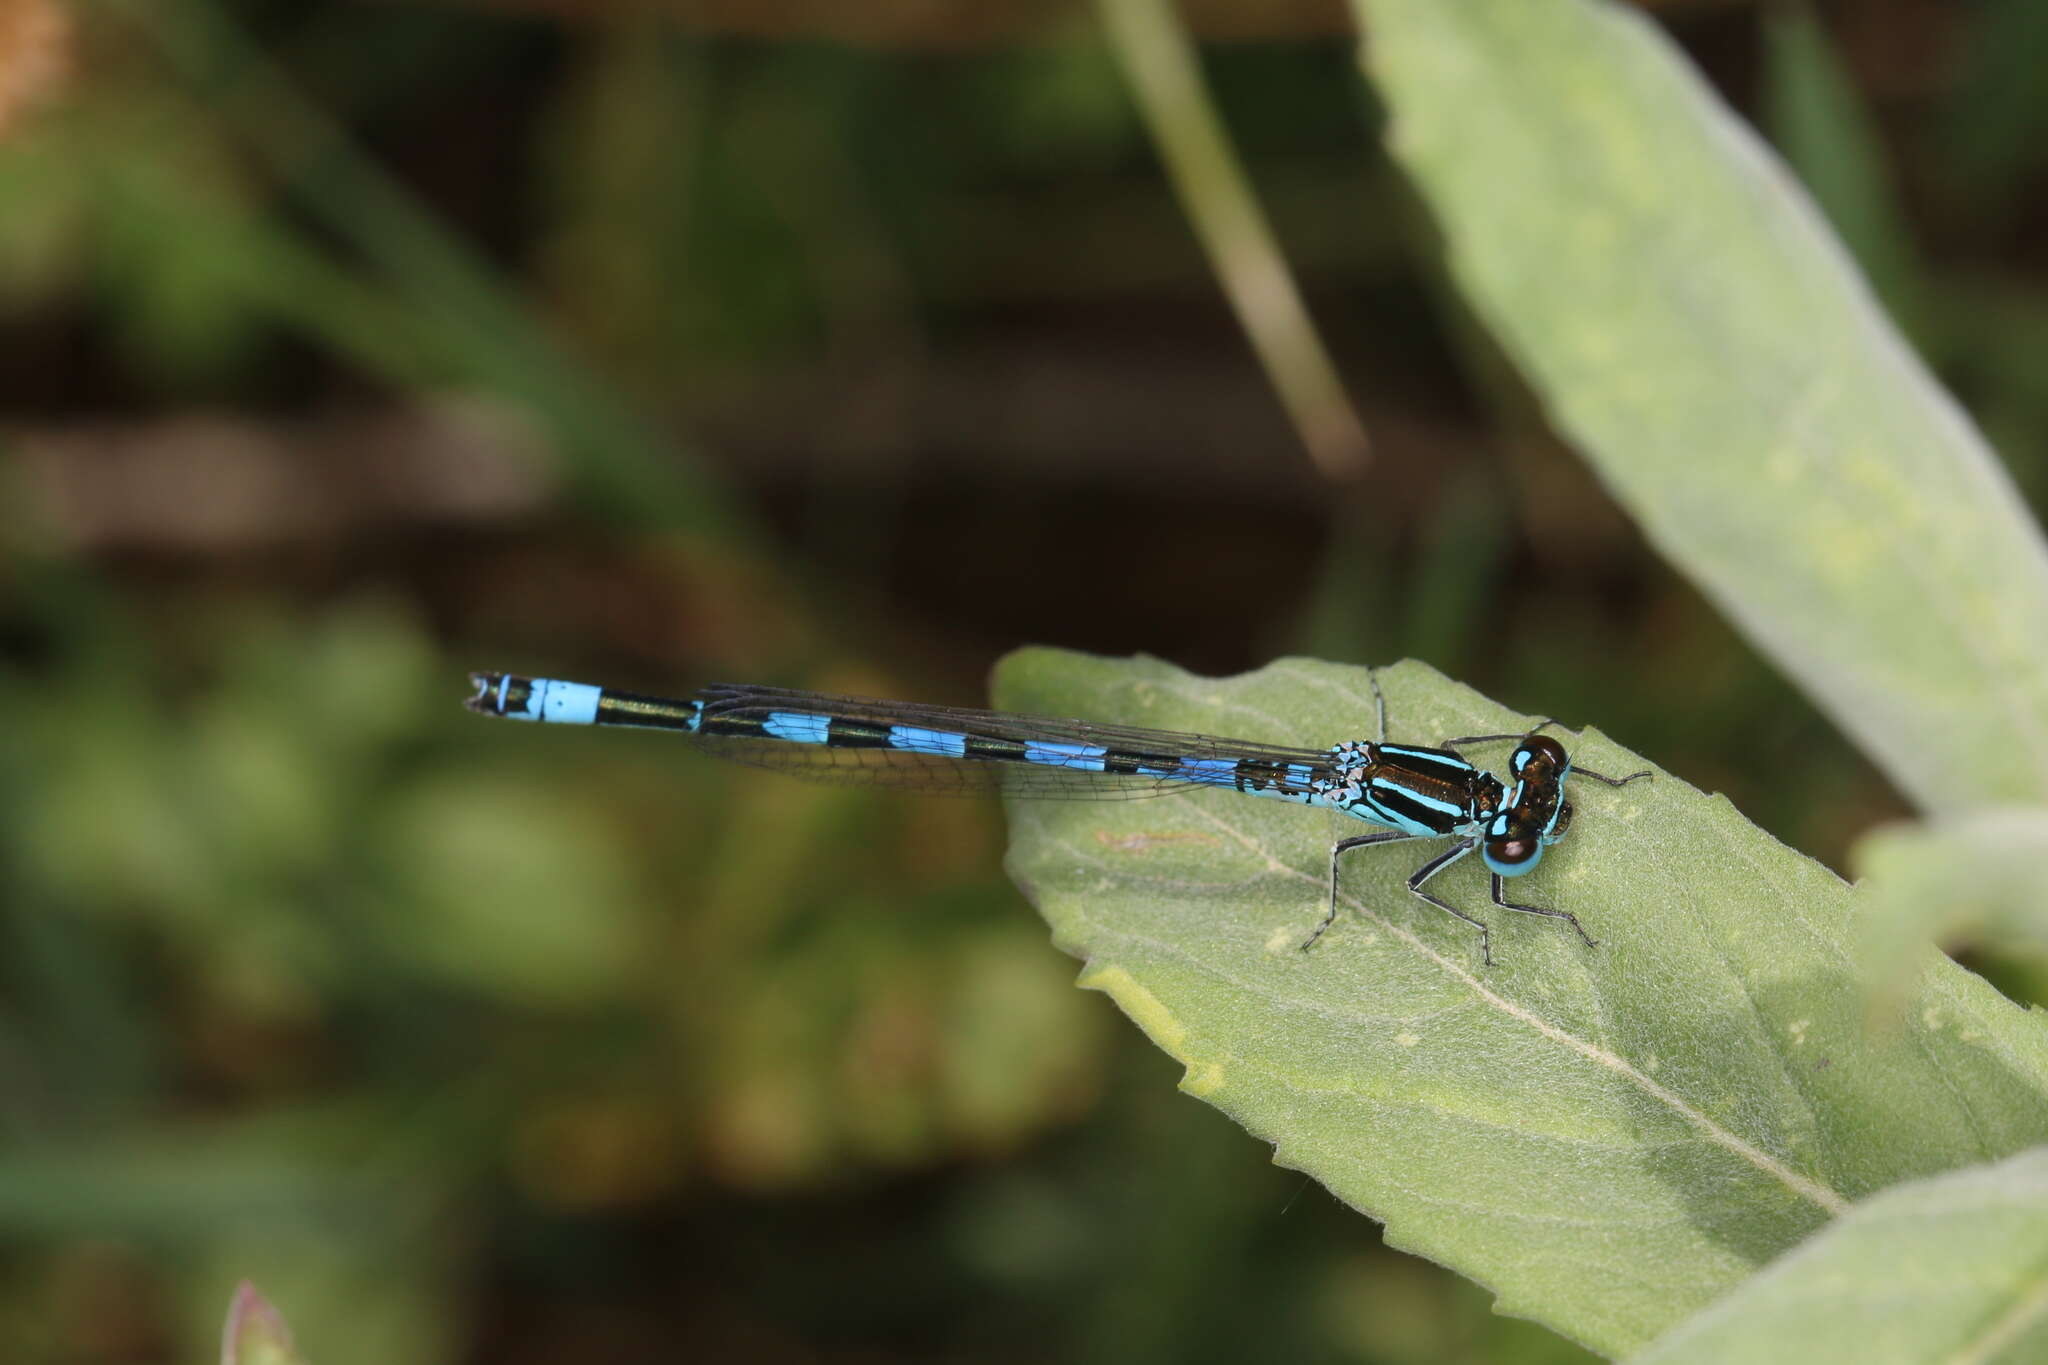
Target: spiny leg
{"points": [[1496, 739], [1438, 864], [1453, 744], [1336, 850], [1577, 771], [1565, 915]]}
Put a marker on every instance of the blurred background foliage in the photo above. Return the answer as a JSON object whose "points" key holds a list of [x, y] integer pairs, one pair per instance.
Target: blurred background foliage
{"points": [[350, 346]]}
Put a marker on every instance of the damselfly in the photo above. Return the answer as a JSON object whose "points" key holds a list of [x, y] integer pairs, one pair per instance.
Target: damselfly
{"points": [[1410, 791]]}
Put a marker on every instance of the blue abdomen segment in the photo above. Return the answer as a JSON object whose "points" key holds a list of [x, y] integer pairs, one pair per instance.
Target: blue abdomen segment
{"points": [[546, 699], [797, 727], [917, 740], [553, 701], [1084, 757], [1208, 772]]}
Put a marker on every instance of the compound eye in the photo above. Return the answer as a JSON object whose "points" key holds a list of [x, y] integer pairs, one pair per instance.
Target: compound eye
{"points": [[1541, 752], [1513, 855]]}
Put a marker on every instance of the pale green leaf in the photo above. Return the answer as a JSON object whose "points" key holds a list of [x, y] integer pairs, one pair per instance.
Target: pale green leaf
{"points": [[1952, 1269], [1963, 880], [1609, 1138], [1698, 334]]}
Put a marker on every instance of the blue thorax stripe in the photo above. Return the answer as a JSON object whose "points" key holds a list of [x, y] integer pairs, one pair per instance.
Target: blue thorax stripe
{"points": [[1399, 808], [1437, 763], [1384, 786]]}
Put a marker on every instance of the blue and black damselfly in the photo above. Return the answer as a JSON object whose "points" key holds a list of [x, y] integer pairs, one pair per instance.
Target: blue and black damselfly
{"points": [[1410, 791]]}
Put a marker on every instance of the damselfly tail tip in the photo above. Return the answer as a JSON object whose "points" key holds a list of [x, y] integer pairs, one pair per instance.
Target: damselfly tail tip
{"points": [[484, 700]]}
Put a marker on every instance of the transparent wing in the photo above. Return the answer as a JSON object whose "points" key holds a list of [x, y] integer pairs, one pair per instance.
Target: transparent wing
{"points": [[1182, 760]]}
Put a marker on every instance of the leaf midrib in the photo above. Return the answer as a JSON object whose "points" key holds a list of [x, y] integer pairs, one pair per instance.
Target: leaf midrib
{"points": [[1812, 1191]]}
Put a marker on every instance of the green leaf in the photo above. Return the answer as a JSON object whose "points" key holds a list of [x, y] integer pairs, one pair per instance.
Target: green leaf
{"points": [[1965, 879], [1698, 334], [1954, 1268], [1609, 1138]]}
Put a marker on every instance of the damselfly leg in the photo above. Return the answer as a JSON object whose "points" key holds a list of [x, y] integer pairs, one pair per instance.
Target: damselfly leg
{"points": [[1567, 916]]}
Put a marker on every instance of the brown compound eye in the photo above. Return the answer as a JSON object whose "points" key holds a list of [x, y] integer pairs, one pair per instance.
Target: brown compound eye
{"points": [[1513, 852], [1538, 757]]}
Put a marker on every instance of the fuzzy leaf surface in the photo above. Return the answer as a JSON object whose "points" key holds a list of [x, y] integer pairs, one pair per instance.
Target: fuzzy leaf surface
{"points": [[1608, 1138], [1952, 1268]]}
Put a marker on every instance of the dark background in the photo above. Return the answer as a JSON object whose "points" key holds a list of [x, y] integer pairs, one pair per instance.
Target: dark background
{"points": [[349, 346]]}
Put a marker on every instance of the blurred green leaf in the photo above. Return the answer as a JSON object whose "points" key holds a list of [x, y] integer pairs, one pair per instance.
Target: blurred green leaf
{"points": [[1953, 1268], [271, 827], [888, 1031], [1061, 107], [460, 315], [1820, 123], [1972, 879], [1700, 337], [164, 1186], [1608, 1138], [622, 148], [134, 194], [1995, 115], [39, 237], [514, 890], [337, 1206]]}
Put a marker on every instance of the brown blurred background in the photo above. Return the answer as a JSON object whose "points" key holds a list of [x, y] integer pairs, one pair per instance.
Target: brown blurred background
{"points": [[349, 346]]}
